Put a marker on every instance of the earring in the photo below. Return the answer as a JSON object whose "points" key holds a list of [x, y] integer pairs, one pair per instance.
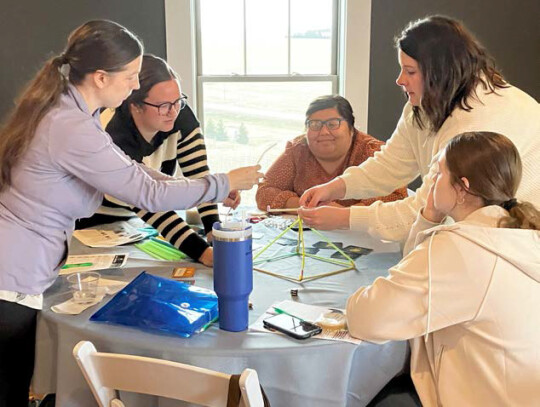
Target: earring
{"points": [[460, 202]]}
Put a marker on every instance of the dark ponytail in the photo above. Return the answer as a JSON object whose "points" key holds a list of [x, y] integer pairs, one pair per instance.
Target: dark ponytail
{"points": [[95, 45]]}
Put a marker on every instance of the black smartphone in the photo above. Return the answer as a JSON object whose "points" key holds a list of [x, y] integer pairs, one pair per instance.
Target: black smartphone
{"points": [[292, 326]]}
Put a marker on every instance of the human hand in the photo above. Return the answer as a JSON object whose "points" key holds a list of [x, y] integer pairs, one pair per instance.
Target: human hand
{"points": [[325, 217], [292, 202], [334, 204], [209, 237], [429, 212], [244, 178], [207, 258], [233, 200], [323, 194]]}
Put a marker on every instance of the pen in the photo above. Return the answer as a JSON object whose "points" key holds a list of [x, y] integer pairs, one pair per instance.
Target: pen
{"points": [[68, 266], [280, 311], [207, 325]]}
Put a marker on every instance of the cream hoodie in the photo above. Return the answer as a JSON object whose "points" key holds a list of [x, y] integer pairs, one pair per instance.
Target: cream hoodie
{"points": [[411, 151], [468, 297]]}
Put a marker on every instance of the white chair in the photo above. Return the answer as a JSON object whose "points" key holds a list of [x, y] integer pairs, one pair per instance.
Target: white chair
{"points": [[107, 373]]}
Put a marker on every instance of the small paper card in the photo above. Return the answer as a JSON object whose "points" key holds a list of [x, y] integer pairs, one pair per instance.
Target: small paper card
{"points": [[183, 272]]}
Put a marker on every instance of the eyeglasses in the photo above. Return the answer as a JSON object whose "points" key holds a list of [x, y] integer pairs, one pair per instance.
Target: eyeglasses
{"points": [[165, 108], [317, 125]]}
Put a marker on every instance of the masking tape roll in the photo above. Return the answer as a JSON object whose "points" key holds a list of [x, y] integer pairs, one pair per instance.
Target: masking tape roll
{"points": [[332, 320]]}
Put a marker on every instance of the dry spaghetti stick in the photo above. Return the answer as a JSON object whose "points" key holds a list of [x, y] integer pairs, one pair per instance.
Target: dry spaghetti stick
{"points": [[264, 152], [268, 209]]}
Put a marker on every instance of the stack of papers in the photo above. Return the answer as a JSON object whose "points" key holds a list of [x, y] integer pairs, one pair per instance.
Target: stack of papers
{"points": [[123, 234]]}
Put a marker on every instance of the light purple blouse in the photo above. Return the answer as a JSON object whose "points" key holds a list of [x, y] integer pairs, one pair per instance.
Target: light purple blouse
{"points": [[71, 162]]}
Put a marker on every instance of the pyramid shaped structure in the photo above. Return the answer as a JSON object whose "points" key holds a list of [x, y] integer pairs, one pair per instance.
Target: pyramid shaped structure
{"points": [[347, 264]]}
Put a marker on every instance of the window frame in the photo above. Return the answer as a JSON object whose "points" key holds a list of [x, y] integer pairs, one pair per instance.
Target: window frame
{"points": [[333, 77]]}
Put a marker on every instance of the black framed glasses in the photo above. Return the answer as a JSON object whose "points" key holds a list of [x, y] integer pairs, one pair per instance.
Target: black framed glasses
{"points": [[165, 108], [317, 125]]}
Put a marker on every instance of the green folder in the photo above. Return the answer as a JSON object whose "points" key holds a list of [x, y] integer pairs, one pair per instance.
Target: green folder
{"points": [[160, 251]]}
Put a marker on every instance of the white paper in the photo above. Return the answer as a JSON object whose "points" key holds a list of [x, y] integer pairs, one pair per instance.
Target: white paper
{"points": [[309, 313], [105, 287], [109, 238], [99, 262], [73, 308], [110, 287]]}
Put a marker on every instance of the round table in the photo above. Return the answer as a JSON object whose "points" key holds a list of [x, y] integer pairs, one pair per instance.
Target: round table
{"points": [[293, 373]]}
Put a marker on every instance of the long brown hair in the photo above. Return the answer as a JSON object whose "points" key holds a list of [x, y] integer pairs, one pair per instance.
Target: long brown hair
{"points": [[96, 45], [491, 163], [452, 63]]}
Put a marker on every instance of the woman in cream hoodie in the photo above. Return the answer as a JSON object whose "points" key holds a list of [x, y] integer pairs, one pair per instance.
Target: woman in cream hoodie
{"points": [[467, 295], [452, 86]]}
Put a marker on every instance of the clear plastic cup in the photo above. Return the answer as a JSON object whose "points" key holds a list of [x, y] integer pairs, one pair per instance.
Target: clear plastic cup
{"points": [[84, 286]]}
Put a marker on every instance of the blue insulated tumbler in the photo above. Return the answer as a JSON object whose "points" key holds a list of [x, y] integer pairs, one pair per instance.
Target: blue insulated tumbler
{"points": [[233, 273]]}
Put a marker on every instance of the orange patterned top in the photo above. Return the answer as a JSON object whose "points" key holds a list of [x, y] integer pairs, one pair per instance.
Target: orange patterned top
{"points": [[297, 170]]}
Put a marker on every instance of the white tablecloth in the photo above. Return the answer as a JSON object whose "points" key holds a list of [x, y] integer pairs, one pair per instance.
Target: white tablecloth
{"points": [[293, 373]]}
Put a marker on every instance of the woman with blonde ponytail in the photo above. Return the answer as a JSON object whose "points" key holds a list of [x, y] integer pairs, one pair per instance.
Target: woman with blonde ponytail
{"points": [[466, 295], [56, 161]]}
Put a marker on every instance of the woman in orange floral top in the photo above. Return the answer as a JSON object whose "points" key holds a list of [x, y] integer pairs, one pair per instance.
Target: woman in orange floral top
{"points": [[330, 146]]}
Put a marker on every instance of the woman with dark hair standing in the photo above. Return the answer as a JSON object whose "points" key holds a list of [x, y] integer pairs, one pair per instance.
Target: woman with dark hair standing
{"points": [[466, 295], [157, 127], [330, 146], [55, 162], [452, 87]]}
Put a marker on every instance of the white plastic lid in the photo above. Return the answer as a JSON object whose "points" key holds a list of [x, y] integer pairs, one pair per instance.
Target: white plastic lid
{"points": [[232, 231]]}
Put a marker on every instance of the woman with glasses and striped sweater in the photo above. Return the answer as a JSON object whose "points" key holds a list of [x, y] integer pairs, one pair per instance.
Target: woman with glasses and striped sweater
{"points": [[156, 126]]}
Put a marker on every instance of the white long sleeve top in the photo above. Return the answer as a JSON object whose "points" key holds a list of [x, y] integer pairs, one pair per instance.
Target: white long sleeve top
{"points": [[411, 151]]}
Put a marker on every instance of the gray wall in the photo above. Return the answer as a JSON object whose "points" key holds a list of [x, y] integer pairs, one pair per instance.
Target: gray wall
{"points": [[509, 29], [31, 31]]}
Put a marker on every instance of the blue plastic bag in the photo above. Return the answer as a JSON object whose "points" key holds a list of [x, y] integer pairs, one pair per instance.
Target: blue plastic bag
{"points": [[162, 305]]}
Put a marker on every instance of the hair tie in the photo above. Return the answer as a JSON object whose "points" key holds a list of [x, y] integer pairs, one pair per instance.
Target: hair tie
{"points": [[64, 67], [509, 204]]}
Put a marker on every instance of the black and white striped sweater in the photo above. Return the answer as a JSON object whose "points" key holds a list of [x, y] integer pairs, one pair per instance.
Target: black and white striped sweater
{"points": [[179, 152]]}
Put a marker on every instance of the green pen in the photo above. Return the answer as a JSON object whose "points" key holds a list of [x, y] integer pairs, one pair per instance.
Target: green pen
{"points": [[68, 266], [207, 325], [280, 311]]}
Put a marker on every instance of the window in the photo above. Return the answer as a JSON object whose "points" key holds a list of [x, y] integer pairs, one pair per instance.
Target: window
{"points": [[260, 63]]}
